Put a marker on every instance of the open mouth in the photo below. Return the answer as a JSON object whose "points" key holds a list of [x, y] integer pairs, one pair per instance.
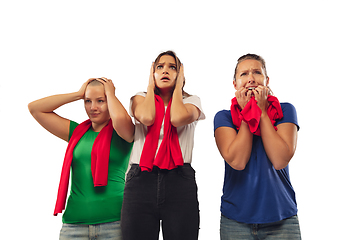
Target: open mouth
{"points": [[165, 79]]}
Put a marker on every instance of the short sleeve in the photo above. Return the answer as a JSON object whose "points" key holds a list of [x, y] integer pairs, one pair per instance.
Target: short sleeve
{"points": [[131, 102], [223, 119], [72, 127], [290, 115], [195, 100]]}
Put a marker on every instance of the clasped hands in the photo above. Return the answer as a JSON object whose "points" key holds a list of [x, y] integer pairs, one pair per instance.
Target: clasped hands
{"points": [[260, 93]]}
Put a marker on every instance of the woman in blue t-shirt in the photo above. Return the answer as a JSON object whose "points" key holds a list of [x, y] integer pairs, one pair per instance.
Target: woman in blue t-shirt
{"points": [[257, 139]]}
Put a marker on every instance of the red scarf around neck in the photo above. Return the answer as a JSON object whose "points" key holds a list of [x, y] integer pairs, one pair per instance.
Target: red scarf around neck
{"points": [[99, 160], [169, 155], [251, 113]]}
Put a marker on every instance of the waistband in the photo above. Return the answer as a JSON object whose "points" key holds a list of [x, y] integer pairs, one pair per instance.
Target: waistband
{"points": [[156, 169]]}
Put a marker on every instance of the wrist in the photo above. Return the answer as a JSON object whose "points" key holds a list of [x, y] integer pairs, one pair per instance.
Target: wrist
{"points": [[78, 95], [150, 88], [263, 114], [243, 123], [178, 89], [109, 93], [177, 92]]}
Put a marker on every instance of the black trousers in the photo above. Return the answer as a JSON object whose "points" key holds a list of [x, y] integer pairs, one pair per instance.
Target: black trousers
{"points": [[166, 197]]}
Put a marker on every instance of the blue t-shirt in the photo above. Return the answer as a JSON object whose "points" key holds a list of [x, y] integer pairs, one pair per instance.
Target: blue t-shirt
{"points": [[259, 193]]}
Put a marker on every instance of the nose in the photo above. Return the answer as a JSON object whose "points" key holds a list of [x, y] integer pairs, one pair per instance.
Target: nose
{"points": [[93, 106], [165, 70], [251, 78]]}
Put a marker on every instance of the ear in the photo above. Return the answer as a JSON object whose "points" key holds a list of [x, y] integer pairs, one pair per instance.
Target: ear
{"points": [[234, 83], [267, 81]]}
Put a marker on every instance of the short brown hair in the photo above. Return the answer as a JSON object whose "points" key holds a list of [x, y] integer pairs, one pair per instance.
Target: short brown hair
{"points": [[251, 56]]}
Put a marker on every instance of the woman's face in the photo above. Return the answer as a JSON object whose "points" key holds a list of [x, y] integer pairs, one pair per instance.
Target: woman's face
{"points": [[96, 105], [250, 74], [165, 72]]}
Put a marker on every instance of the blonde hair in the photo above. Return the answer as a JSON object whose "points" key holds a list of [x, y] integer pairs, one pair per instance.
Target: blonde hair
{"points": [[95, 82]]}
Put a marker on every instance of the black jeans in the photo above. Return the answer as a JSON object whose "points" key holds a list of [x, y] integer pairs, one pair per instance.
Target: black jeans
{"points": [[166, 196]]}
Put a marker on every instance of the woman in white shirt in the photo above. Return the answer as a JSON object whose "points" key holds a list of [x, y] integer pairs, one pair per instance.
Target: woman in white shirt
{"points": [[160, 185]]}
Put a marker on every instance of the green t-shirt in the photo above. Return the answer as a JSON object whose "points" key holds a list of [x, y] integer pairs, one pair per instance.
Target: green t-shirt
{"points": [[92, 205]]}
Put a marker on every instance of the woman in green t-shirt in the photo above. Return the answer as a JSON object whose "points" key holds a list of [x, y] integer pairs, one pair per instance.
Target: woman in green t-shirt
{"points": [[94, 206]]}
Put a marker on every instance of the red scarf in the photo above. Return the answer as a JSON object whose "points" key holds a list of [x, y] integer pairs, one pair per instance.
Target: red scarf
{"points": [[99, 160], [251, 113], [169, 155]]}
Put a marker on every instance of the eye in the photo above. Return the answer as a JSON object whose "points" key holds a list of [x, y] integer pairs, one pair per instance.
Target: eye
{"points": [[101, 101], [258, 72], [173, 67], [87, 101], [159, 67], [242, 74]]}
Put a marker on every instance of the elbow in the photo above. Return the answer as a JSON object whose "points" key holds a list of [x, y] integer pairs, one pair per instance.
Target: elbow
{"points": [[183, 116], [281, 161], [147, 121], [145, 116], [237, 164], [129, 139], [180, 121], [124, 128], [31, 108], [238, 167], [175, 123], [279, 166]]}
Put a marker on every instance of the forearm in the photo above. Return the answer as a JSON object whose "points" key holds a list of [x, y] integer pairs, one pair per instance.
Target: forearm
{"points": [[240, 150], [42, 111], [144, 110], [49, 104], [121, 120], [276, 147], [234, 147], [179, 114]]}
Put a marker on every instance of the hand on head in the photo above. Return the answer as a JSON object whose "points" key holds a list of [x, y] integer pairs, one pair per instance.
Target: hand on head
{"points": [[108, 85], [180, 80], [83, 87], [151, 86]]}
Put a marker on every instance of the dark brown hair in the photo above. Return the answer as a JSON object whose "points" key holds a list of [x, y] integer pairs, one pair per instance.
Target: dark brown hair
{"points": [[170, 53], [178, 64]]}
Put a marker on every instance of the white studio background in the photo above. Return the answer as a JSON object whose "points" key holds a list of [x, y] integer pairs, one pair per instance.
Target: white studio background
{"points": [[312, 54]]}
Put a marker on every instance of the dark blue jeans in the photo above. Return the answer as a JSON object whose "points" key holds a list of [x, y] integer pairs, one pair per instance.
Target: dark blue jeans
{"points": [[166, 197]]}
